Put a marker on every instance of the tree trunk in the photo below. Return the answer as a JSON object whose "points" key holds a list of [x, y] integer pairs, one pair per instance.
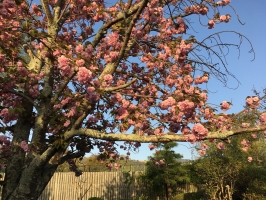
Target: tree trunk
{"points": [[31, 183], [16, 159]]}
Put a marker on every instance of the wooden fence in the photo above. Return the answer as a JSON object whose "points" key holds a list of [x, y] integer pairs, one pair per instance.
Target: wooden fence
{"points": [[106, 185]]}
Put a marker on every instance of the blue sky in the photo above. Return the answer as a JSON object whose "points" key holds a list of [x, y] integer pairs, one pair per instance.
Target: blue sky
{"points": [[250, 74]]}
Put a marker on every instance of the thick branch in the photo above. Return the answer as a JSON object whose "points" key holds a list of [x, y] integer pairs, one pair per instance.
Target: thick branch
{"points": [[153, 138], [35, 63], [110, 89], [47, 11]]}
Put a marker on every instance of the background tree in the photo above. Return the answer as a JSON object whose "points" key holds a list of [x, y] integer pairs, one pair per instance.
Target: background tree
{"points": [[216, 173], [232, 171], [94, 71], [164, 172]]}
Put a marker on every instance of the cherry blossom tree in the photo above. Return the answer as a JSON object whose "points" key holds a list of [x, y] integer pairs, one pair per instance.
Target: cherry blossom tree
{"points": [[77, 75]]}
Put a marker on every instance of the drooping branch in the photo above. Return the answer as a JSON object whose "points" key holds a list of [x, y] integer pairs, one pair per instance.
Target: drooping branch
{"points": [[153, 138]]}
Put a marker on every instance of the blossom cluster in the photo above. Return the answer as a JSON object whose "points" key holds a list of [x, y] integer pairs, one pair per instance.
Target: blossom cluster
{"points": [[252, 102], [263, 118], [223, 2], [7, 116], [245, 145], [225, 105], [24, 145], [197, 9], [221, 146], [170, 101], [113, 165], [158, 162], [201, 79], [199, 130]]}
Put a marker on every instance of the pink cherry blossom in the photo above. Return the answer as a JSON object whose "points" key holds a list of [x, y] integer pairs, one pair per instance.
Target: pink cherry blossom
{"points": [[117, 166], [221, 146], [80, 62], [8, 117], [110, 166], [117, 97], [245, 149], [125, 103], [253, 135], [252, 102], [108, 78], [122, 113], [66, 124], [245, 125], [161, 162], [152, 146], [201, 152], [24, 146], [191, 138], [263, 118], [204, 146], [79, 48], [72, 112], [170, 101], [222, 18], [250, 159], [245, 143], [199, 129], [211, 24], [225, 2], [84, 75], [225, 106], [157, 131], [62, 60], [112, 39]]}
